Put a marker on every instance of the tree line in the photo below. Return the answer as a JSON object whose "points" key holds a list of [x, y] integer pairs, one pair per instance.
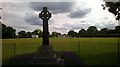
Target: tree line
{"points": [[92, 31], [8, 32]]}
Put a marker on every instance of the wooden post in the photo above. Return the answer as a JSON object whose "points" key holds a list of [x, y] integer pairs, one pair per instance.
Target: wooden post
{"points": [[118, 52], [14, 50], [79, 47]]}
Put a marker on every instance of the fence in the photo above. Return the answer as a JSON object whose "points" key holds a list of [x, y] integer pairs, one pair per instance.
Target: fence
{"points": [[93, 51]]}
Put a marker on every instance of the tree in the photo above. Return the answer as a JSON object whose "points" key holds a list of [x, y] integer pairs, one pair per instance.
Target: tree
{"points": [[72, 33], [111, 31], [8, 32], [0, 17], [4, 31], [36, 32], [11, 32], [113, 7], [0, 30], [82, 31], [22, 34], [104, 31], [55, 34], [40, 34], [117, 29], [29, 35], [92, 30]]}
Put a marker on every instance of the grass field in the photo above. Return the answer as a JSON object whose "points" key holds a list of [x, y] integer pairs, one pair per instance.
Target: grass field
{"points": [[93, 51]]}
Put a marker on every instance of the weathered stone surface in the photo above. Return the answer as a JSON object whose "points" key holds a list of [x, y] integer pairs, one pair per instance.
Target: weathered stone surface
{"points": [[46, 51], [45, 15]]}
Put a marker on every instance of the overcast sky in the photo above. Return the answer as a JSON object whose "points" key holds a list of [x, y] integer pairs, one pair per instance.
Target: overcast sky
{"points": [[24, 15]]}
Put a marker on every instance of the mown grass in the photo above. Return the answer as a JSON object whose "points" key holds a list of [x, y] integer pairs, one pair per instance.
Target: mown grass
{"points": [[93, 51]]}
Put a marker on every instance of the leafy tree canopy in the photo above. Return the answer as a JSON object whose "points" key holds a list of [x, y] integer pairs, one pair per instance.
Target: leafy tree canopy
{"points": [[113, 7]]}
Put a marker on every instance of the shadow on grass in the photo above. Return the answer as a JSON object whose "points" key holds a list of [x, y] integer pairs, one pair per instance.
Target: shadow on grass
{"points": [[106, 58], [70, 59]]}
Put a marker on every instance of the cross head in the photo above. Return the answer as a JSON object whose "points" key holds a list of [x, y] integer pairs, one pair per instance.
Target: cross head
{"points": [[45, 15]]}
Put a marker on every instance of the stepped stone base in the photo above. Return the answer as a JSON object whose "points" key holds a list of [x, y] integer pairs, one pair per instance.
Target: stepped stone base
{"points": [[44, 55], [66, 58], [45, 51], [45, 60]]}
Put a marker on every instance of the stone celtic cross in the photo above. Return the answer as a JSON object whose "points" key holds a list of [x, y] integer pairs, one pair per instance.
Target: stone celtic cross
{"points": [[45, 15]]}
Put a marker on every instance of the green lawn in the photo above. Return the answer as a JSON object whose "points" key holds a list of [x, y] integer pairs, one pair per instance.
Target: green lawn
{"points": [[93, 51]]}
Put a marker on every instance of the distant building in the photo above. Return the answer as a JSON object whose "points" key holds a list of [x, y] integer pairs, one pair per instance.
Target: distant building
{"points": [[64, 36], [35, 36]]}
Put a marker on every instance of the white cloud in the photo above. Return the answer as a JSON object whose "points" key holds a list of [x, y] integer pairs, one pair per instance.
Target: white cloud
{"points": [[21, 15]]}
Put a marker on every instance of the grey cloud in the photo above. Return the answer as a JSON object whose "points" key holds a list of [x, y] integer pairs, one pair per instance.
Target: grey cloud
{"points": [[33, 19], [20, 11], [54, 7], [107, 24], [106, 18], [61, 28], [71, 26], [39, 0], [14, 14], [79, 13], [12, 18], [15, 6], [80, 25], [51, 21]]}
